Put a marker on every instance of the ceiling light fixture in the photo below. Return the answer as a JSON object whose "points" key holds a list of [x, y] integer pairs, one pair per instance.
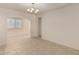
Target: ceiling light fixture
{"points": [[33, 10]]}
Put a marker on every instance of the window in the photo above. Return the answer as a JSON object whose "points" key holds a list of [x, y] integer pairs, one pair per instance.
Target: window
{"points": [[14, 23]]}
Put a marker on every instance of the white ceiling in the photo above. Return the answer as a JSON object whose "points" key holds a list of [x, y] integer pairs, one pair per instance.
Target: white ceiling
{"points": [[44, 7]]}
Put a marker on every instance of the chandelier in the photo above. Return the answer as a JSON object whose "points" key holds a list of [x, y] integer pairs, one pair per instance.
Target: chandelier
{"points": [[33, 10]]}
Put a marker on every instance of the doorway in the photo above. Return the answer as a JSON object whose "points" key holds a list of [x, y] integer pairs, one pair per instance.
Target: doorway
{"points": [[39, 26]]}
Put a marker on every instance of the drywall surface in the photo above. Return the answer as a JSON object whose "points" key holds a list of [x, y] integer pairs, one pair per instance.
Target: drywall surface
{"points": [[2, 31], [62, 26], [27, 27]]}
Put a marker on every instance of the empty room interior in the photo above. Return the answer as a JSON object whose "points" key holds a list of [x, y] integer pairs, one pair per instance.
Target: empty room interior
{"points": [[39, 28]]}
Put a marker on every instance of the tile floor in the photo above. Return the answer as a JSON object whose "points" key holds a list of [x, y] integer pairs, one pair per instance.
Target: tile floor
{"points": [[35, 46]]}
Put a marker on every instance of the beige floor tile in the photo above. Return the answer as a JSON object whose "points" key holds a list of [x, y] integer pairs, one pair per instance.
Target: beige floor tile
{"points": [[37, 46]]}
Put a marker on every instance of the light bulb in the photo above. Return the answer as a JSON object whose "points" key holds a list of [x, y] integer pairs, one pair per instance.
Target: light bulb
{"points": [[32, 9], [28, 10], [37, 10]]}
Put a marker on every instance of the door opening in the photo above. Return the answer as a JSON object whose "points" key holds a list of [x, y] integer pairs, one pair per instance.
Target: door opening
{"points": [[39, 26]]}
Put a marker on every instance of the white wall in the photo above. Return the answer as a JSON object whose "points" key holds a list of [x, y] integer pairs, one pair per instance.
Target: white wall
{"points": [[27, 30], [34, 26], [2, 31], [62, 26]]}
